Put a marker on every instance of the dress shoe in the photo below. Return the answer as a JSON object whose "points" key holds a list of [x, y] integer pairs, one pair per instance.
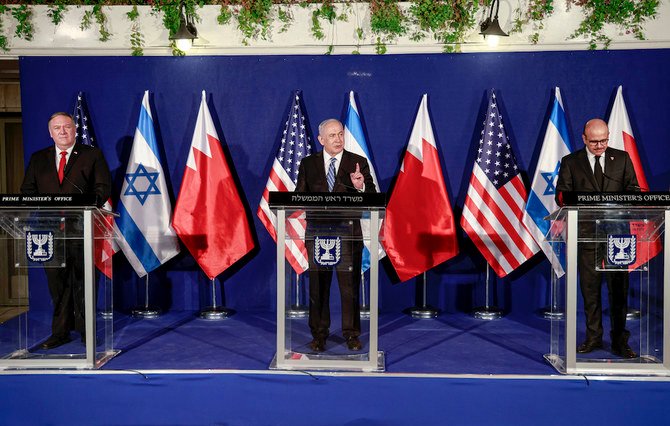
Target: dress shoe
{"points": [[624, 351], [55, 341], [589, 346], [317, 345], [354, 344]]}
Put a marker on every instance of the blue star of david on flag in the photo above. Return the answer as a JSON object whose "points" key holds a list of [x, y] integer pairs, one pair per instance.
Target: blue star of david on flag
{"points": [[151, 187], [550, 179]]}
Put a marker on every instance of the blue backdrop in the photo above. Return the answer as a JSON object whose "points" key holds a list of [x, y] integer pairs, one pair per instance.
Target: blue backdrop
{"points": [[249, 97]]}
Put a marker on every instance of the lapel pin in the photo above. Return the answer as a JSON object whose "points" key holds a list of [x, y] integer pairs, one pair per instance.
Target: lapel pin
{"points": [[611, 158]]}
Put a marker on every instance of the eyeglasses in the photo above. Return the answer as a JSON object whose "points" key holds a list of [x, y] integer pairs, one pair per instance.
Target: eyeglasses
{"points": [[598, 142]]}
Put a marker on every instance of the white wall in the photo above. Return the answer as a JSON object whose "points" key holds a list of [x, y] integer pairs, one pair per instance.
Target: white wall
{"points": [[68, 39]]}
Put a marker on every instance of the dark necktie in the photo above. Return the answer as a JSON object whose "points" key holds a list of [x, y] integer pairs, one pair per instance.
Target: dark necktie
{"points": [[598, 173], [330, 176], [61, 166]]}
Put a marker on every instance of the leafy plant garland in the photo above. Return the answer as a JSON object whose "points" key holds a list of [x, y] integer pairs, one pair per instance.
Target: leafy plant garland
{"points": [[448, 21], [628, 15]]}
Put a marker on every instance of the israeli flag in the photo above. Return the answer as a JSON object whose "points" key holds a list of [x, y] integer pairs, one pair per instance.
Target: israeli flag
{"points": [[541, 200], [144, 208], [354, 141]]}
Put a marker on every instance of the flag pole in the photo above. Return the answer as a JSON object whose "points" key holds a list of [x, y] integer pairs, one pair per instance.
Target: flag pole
{"points": [[146, 311], [487, 312], [107, 294], [215, 312], [421, 309], [298, 310], [365, 308]]}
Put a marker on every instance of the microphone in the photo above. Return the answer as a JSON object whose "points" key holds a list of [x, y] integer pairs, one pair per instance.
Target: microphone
{"points": [[73, 184], [620, 182], [349, 187]]}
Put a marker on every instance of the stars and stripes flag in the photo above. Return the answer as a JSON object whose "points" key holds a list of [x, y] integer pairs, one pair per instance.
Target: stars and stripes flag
{"points": [[295, 144], [419, 230], [144, 207], [541, 199], [496, 198], [354, 141], [621, 137], [209, 216], [104, 249]]}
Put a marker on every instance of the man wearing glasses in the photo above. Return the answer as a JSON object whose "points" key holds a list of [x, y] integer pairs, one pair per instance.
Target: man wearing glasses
{"points": [[599, 168]]}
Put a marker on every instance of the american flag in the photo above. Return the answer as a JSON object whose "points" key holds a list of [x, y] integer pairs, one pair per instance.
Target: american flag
{"points": [[496, 199], [296, 144], [85, 136]]}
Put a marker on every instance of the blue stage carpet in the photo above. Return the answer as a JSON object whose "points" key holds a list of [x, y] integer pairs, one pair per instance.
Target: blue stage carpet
{"points": [[451, 344], [453, 370]]}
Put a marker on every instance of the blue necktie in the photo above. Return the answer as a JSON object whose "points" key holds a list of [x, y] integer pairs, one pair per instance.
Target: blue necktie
{"points": [[330, 177]]}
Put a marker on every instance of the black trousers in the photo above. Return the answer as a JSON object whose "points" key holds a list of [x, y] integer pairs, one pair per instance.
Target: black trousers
{"points": [[66, 287], [349, 279], [617, 289]]}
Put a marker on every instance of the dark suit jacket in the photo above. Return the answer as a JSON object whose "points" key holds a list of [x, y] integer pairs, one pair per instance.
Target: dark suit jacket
{"points": [[575, 173], [312, 178], [86, 172]]}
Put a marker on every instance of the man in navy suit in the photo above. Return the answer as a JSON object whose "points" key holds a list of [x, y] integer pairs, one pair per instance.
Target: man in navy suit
{"points": [[599, 168], [335, 170], [67, 168]]}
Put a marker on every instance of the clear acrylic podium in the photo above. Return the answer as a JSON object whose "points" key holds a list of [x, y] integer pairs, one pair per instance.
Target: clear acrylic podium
{"points": [[325, 225], [52, 232], [608, 228]]}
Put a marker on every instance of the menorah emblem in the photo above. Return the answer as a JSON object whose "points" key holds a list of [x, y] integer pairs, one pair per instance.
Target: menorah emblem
{"points": [[621, 249], [327, 250], [35, 242]]}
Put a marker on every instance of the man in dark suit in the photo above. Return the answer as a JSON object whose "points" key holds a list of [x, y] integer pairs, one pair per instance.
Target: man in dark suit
{"points": [[599, 168], [67, 168], [335, 170]]}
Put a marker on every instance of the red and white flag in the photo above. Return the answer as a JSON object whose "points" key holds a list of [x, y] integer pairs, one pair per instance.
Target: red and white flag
{"points": [[621, 137], [294, 145], [209, 216], [496, 200], [419, 230]]}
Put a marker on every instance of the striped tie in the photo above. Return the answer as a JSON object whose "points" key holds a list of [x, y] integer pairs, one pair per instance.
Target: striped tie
{"points": [[330, 177]]}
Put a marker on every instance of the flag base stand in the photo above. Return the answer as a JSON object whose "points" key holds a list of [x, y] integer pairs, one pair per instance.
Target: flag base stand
{"points": [[216, 313], [365, 312], [146, 312], [487, 313], [422, 312], [421, 308], [632, 314], [297, 311], [549, 314]]}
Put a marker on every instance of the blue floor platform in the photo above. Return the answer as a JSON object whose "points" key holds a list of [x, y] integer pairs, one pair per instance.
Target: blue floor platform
{"points": [[182, 370]]}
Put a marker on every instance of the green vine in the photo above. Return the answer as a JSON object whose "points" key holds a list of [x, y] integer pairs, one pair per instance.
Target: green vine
{"points": [[535, 14], [56, 11], [253, 19], [447, 21], [4, 46], [136, 38], [387, 21], [96, 13], [628, 15], [225, 15], [24, 26]]}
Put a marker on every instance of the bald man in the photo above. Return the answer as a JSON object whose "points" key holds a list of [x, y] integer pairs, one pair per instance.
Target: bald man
{"points": [[599, 168]]}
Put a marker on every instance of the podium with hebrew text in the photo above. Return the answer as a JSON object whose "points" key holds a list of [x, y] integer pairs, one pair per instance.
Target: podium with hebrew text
{"points": [[55, 235], [323, 233], [624, 234]]}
